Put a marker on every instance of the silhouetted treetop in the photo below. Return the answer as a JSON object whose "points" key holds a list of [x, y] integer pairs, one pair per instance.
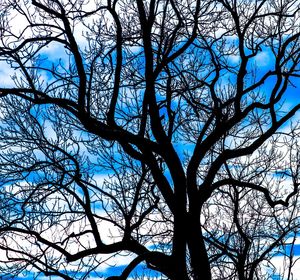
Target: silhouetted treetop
{"points": [[157, 135]]}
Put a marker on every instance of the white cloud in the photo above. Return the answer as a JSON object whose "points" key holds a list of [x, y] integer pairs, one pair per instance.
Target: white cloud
{"points": [[234, 58], [281, 265], [291, 240], [262, 59], [6, 74]]}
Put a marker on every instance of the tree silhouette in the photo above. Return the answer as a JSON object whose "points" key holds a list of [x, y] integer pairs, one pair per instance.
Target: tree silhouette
{"points": [[163, 131]]}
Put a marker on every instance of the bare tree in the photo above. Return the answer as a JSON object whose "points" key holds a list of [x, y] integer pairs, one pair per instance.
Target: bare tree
{"points": [[162, 131]]}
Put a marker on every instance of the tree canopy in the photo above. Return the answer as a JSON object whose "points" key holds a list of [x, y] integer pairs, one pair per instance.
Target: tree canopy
{"points": [[157, 136]]}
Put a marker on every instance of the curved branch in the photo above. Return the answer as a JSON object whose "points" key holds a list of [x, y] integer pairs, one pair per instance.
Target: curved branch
{"points": [[272, 203]]}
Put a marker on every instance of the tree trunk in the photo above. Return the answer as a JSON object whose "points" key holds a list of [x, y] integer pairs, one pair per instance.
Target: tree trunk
{"points": [[198, 254], [179, 245]]}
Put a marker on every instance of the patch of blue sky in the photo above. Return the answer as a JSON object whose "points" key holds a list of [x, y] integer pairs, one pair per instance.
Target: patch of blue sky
{"points": [[141, 270], [9, 277], [264, 62], [56, 69], [52, 55], [291, 249], [294, 248]]}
